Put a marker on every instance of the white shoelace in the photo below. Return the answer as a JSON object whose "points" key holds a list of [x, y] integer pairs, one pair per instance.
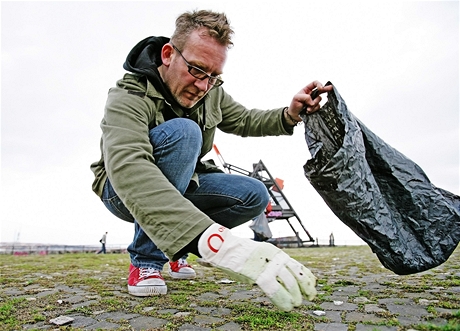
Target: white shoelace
{"points": [[147, 272], [182, 262]]}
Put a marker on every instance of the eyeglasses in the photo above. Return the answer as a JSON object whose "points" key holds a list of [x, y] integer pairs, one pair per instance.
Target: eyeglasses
{"points": [[199, 73]]}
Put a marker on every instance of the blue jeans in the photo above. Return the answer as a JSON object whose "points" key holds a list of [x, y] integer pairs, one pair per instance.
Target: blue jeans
{"points": [[102, 250], [227, 199]]}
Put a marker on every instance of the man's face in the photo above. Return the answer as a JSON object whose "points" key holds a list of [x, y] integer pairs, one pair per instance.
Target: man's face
{"points": [[200, 51]]}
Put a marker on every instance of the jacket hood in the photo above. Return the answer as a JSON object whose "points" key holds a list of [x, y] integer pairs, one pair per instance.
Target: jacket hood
{"points": [[144, 59]]}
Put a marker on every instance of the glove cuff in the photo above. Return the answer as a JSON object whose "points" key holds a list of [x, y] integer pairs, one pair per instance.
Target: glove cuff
{"points": [[218, 246], [212, 240]]}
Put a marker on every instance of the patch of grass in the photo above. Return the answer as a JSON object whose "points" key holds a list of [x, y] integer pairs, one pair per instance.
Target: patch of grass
{"points": [[448, 282], [452, 325], [8, 311], [364, 293], [327, 289], [83, 310], [179, 298], [449, 304], [114, 304], [38, 317], [344, 282], [268, 319]]}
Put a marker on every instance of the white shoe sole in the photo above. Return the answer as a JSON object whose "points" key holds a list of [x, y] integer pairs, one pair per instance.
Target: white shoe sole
{"points": [[177, 275], [147, 290]]}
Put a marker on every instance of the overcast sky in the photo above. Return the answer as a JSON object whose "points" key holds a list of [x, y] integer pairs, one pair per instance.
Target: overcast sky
{"points": [[396, 64]]}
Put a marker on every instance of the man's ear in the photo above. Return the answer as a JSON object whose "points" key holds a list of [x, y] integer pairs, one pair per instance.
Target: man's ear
{"points": [[166, 54]]}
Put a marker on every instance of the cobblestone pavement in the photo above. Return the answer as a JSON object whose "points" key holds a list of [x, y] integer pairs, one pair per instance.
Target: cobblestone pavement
{"points": [[354, 293]]}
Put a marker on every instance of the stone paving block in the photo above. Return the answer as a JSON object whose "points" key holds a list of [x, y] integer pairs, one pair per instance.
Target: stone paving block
{"points": [[373, 287], [65, 288], [117, 316], [426, 302], [366, 327], [46, 293], [74, 299], [304, 301], [334, 316], [266, 301], [221, 312], [84, 304], [13, 291], [191, 327], [438, 289], [163, 311], [332, 298], [230, 327], [409, 320], [446, 311], [242, 295], [145, 323], [132, 302], [209, 296], [37, 326], [331, 327], [182, 314], [455, 289], [407, 310], [416, 296], [31, 287], [344, 306], [331, 316], [349, 289], [204, 310], [437, 321], [372, 308], [61, 320], [103, 325], [82, 321], [397, 301], [362, 317], [205, 319], [81, 292], [361, 300]]}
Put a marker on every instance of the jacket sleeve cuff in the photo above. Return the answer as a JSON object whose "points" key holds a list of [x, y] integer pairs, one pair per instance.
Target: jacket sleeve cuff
{"points": [[288, 128]]}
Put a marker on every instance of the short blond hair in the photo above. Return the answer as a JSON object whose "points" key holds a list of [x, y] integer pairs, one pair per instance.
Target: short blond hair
{"points": [[216, 25]]}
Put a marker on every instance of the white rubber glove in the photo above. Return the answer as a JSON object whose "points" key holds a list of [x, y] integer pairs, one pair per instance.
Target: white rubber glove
{"points": [[282, 278]]}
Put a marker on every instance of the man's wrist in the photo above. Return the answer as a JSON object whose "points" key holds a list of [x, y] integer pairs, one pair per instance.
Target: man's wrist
{"points": [[288, 118]]}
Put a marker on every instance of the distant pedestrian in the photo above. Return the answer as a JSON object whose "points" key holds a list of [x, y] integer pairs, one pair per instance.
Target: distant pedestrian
{"points": [[103, 240], [331, 240]]}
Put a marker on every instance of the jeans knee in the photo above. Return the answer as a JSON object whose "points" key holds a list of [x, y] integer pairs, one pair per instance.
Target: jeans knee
{"points": [[177, 131], [189, 130], [260, 196], [189, 126]]}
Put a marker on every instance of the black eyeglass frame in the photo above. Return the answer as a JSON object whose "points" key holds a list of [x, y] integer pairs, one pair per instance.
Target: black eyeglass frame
{"points": [[200, 73]]}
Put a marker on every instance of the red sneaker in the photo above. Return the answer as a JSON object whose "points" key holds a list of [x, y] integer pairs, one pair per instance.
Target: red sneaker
{"points": [[180, 269], [143, 282]]}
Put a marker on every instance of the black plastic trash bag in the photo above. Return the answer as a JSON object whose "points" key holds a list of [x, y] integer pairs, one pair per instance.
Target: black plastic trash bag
{"points": [[385, 198]]}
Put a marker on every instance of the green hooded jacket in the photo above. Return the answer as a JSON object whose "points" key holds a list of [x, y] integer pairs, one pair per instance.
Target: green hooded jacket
{"points": [[140, 102]]}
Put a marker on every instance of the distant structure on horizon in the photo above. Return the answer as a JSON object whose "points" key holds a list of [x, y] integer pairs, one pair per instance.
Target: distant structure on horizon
{"points": [[16, 248]]}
